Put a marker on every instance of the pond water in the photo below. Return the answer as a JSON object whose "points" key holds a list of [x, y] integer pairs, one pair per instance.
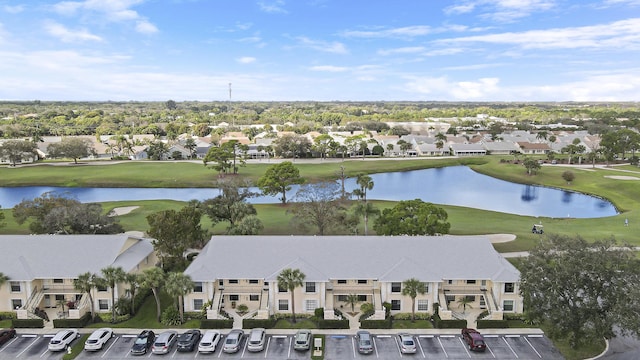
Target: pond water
{"points": [[457, 185]]}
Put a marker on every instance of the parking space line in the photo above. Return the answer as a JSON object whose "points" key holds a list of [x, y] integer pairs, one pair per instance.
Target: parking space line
{"points": [[109, 348], [353, 346], [29, 335], [535, 335], [426, 336], [512, 336], [465, 347], [445, 351], [375, 346], [46, 351], [491, 351], [506, 342], [422, 351], [534, 349], [491, 336], [447, 336], [266, 350], [7, 345], [128, 336], [28, 346]]}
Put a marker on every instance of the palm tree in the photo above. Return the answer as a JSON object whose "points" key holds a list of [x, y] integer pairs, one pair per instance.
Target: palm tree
{"points": [[191, 145], [133, 279], [412, 287], [366, 183], [3, 279], [366, 209], [290, 279], [465, 301], [112, 276], [352, 299], [178, 285], [85, 283], [153, 278]]}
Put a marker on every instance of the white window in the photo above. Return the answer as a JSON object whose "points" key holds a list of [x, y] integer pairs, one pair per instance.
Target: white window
{"points": [[16, 303], [15, 287], [283, 305], [103, 304], [197, 304], [310, 305], [507, 305], [310, 287], [423, 305], [509, 287], [197, 287], [396, 287]]}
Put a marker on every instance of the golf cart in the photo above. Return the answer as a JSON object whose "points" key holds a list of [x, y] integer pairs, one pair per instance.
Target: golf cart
{"points": [[537, 229]]}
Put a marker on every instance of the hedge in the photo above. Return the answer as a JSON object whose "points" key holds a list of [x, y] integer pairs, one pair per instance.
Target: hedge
{"points": [[216, 324], [27, 323], [376, 324], [493, 324], [72, 323], [258, 323], [7, 315], [448, 324], [333, 324]]}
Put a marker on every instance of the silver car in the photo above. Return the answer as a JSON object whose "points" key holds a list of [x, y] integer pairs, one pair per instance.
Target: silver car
{"points": [[164, 342], [233, 341], [407, 344], [365, 342], [256, 340], [62, 339]]}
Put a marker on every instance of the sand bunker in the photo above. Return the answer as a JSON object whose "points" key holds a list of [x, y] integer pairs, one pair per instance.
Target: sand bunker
{"points": [[616, 177]]}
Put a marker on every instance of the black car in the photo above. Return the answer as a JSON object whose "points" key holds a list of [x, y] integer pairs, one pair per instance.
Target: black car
{"points": [[188, 341], [143, 342], [6, 335]]}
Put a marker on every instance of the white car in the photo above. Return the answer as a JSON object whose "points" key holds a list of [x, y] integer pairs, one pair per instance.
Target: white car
{"points": [[63, 339], [97, 339], [209, 341]]}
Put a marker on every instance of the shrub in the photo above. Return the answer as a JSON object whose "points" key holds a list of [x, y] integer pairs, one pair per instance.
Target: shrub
{"points": [[72, 323], [170, 316], [106, 317], [492, 324], [319, 313], [27, 323], [242, 309], [189, 315], [333, 324], [482, 315], [258, 323], [7, 315], [448, 324], [376, 324], [216, 324], [407, 316]]}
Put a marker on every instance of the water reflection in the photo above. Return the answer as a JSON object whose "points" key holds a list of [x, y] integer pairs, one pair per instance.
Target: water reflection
{"points": [[457, 185]]}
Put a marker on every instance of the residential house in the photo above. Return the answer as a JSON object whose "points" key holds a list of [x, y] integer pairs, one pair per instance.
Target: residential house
{"points": [[528, 148], [41, 269], [500, 147], [476, 149], [235, 270]]}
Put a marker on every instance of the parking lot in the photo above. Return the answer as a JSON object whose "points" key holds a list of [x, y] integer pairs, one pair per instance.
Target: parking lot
{"points": [[27, 346]]}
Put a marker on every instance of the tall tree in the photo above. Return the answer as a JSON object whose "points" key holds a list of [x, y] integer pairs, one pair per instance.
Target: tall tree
{"points": [[365, 184], [3, 279], [85, 283], [225, 157], [154, 278], [319, 204], [291, 279], [2, 223], [412, 287], [17, 150], [412, 217], [53, 213], [232, 206], [279, 178], [71, 147], [178, 285], [134, 280], [292, 146], [582, 290], [112, 276], [173, 232], [352, 299]]}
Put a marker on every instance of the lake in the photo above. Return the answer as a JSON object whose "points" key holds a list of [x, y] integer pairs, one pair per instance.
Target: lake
{"points": [[456, 185]]}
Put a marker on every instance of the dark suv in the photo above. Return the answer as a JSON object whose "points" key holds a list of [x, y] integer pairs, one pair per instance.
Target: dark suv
{"points": [[143, 342], [473, 338], [188, 341]]}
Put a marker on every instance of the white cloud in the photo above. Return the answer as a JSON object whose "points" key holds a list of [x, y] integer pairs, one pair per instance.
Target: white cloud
{"points": [[145, 27], [500, 10], [67, 35], [320, 45], [329, 68], [13, 9], [246, 60], [273, 7], [407, 31], [403, 50], [442, 87], [623, 2], [619, 34]]}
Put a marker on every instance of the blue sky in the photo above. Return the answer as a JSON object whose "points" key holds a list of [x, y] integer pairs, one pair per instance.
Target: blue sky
{"points": [[323, 50]]}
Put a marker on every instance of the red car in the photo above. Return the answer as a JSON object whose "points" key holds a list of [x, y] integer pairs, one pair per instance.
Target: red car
{"points": [[6, 335], [474, 339]]}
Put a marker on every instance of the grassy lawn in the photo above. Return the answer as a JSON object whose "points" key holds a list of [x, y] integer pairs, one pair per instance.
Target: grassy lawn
{"points": [[76, 348], [408, 324], [299, 324], [5, 323]]}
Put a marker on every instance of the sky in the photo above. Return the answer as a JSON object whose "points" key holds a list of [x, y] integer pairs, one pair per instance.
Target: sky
{"points": [[320, 50]]}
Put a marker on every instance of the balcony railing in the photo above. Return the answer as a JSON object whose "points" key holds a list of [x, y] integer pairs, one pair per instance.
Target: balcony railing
{"points": [[59, 289]]}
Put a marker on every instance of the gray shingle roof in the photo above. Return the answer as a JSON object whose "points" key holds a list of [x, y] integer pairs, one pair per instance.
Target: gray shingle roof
{"points": [[28, 257], [320, 258]]}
